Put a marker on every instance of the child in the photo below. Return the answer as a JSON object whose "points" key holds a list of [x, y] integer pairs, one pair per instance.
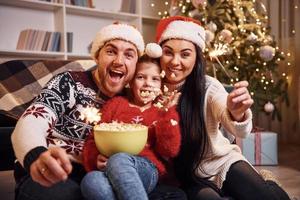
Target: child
{"points": [[128, 176]]}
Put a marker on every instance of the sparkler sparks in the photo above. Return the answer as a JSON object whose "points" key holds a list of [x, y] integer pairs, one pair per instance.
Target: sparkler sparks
{"points": [[219, 50], [90, 114]]}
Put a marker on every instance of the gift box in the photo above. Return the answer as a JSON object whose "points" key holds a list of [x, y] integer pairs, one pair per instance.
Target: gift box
{"points": [[260, 148]]}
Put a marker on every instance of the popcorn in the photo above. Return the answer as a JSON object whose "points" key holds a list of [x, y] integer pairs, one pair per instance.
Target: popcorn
{"points": [[116, 126], [150, 94], [145, 93], [158, 105], [166, 89], [162, 74], [173, 122]]}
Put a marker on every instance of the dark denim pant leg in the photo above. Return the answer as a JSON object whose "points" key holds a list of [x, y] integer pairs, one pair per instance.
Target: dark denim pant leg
{"points": [[27, 189], [166, 192]]}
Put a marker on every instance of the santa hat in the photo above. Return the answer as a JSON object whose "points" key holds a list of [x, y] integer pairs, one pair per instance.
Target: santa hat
{"points": [[180, 27], [118, 31]]}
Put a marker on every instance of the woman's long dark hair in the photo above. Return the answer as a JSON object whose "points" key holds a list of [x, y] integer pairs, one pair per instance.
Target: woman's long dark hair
{"points": [[195, 142]]}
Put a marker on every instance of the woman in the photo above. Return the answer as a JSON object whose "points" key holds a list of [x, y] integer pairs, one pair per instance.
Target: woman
{"points": [[208, 166]]}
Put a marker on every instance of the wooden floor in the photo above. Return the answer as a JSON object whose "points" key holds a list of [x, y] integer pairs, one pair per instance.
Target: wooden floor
{"points": [[287, 172]]}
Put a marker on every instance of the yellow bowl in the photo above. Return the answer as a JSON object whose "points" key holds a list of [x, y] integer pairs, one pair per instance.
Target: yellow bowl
{"points": [[131, 139]]}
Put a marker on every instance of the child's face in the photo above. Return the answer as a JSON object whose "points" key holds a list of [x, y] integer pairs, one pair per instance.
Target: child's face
{"points": [[146, 84]]}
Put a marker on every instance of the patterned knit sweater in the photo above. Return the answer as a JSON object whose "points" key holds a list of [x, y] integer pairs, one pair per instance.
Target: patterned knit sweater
{"points": [[216, 112], [53, 117], [163, 132]]}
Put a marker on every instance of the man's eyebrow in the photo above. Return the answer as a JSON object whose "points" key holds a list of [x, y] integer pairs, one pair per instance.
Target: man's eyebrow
{"points": [[115, 47], [111, 45]]}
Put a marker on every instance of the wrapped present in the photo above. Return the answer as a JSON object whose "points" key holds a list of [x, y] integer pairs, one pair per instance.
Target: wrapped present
{"points": [[260, 148]]}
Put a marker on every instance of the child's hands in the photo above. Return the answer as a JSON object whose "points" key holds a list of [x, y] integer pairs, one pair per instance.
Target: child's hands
{"points": [[239, 100], [101, 162]]}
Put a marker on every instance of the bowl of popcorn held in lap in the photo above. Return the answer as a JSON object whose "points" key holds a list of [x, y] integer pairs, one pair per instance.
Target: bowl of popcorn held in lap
{"points": [[111, 138]]}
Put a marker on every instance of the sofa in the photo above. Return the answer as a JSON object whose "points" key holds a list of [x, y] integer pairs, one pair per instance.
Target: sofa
{"points": [[20, 82]]}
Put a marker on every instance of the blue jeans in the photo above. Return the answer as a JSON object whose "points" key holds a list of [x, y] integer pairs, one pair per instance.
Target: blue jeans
{"points": [[126, 177], [27, 189]]}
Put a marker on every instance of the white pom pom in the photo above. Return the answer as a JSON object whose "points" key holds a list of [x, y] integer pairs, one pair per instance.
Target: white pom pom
{"points": [[153, 50]]}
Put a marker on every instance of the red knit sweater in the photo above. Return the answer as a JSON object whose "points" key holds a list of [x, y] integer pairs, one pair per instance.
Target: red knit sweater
{"points": [[163, 138]]}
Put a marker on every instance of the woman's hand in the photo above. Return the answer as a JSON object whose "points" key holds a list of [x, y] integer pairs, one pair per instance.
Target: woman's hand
{"points": [[239, 100], [101, 162], [51, 167]]}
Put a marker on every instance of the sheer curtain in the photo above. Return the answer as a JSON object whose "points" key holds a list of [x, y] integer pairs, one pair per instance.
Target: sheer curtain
{"points": [[284, 20]]}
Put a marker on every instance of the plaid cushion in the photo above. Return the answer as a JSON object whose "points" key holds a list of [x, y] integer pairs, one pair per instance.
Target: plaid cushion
{"points": [[22, 80]]}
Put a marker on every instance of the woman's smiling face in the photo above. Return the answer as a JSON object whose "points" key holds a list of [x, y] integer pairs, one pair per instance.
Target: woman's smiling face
{"points": [[178, 59]]}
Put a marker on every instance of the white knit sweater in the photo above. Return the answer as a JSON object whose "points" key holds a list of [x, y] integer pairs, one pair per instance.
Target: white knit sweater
{"points": [[216, 112]]}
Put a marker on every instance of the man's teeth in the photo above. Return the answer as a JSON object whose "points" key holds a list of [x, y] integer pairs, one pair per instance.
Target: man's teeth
{"points": [[116, 73], [173, 75]]}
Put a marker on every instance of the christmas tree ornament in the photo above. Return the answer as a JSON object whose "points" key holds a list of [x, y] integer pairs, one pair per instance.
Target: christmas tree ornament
{"points": [[267, 53], [252, 37], [197, 3], [269, 107], [226, 35], [195, 14], [209, 36], [211, 26]]}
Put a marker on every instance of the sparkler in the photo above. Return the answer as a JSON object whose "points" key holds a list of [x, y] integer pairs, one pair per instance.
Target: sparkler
{"points": [[90, 114], [219, 49]]}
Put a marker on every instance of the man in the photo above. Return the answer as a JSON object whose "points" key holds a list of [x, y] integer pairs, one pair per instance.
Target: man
{"points": [[49, 136]]}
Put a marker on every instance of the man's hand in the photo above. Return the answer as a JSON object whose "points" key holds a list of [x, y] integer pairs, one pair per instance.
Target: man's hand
{"points": [[51, 167], [239, 100]]}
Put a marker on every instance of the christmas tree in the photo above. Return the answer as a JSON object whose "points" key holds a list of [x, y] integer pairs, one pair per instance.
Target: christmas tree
{"points": [[240, 47]]}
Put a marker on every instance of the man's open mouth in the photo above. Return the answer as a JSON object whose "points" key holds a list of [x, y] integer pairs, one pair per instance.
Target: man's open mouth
{"points": [[116, 75]]}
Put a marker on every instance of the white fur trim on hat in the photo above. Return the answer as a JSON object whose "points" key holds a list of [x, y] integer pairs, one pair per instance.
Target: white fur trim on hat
{"points": [[118, 31], [185, 30]]}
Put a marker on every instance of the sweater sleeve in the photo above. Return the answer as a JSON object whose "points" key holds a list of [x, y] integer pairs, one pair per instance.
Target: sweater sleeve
{"points": [[167, 132], [216, 101], [90, 154], [32, 127]]}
